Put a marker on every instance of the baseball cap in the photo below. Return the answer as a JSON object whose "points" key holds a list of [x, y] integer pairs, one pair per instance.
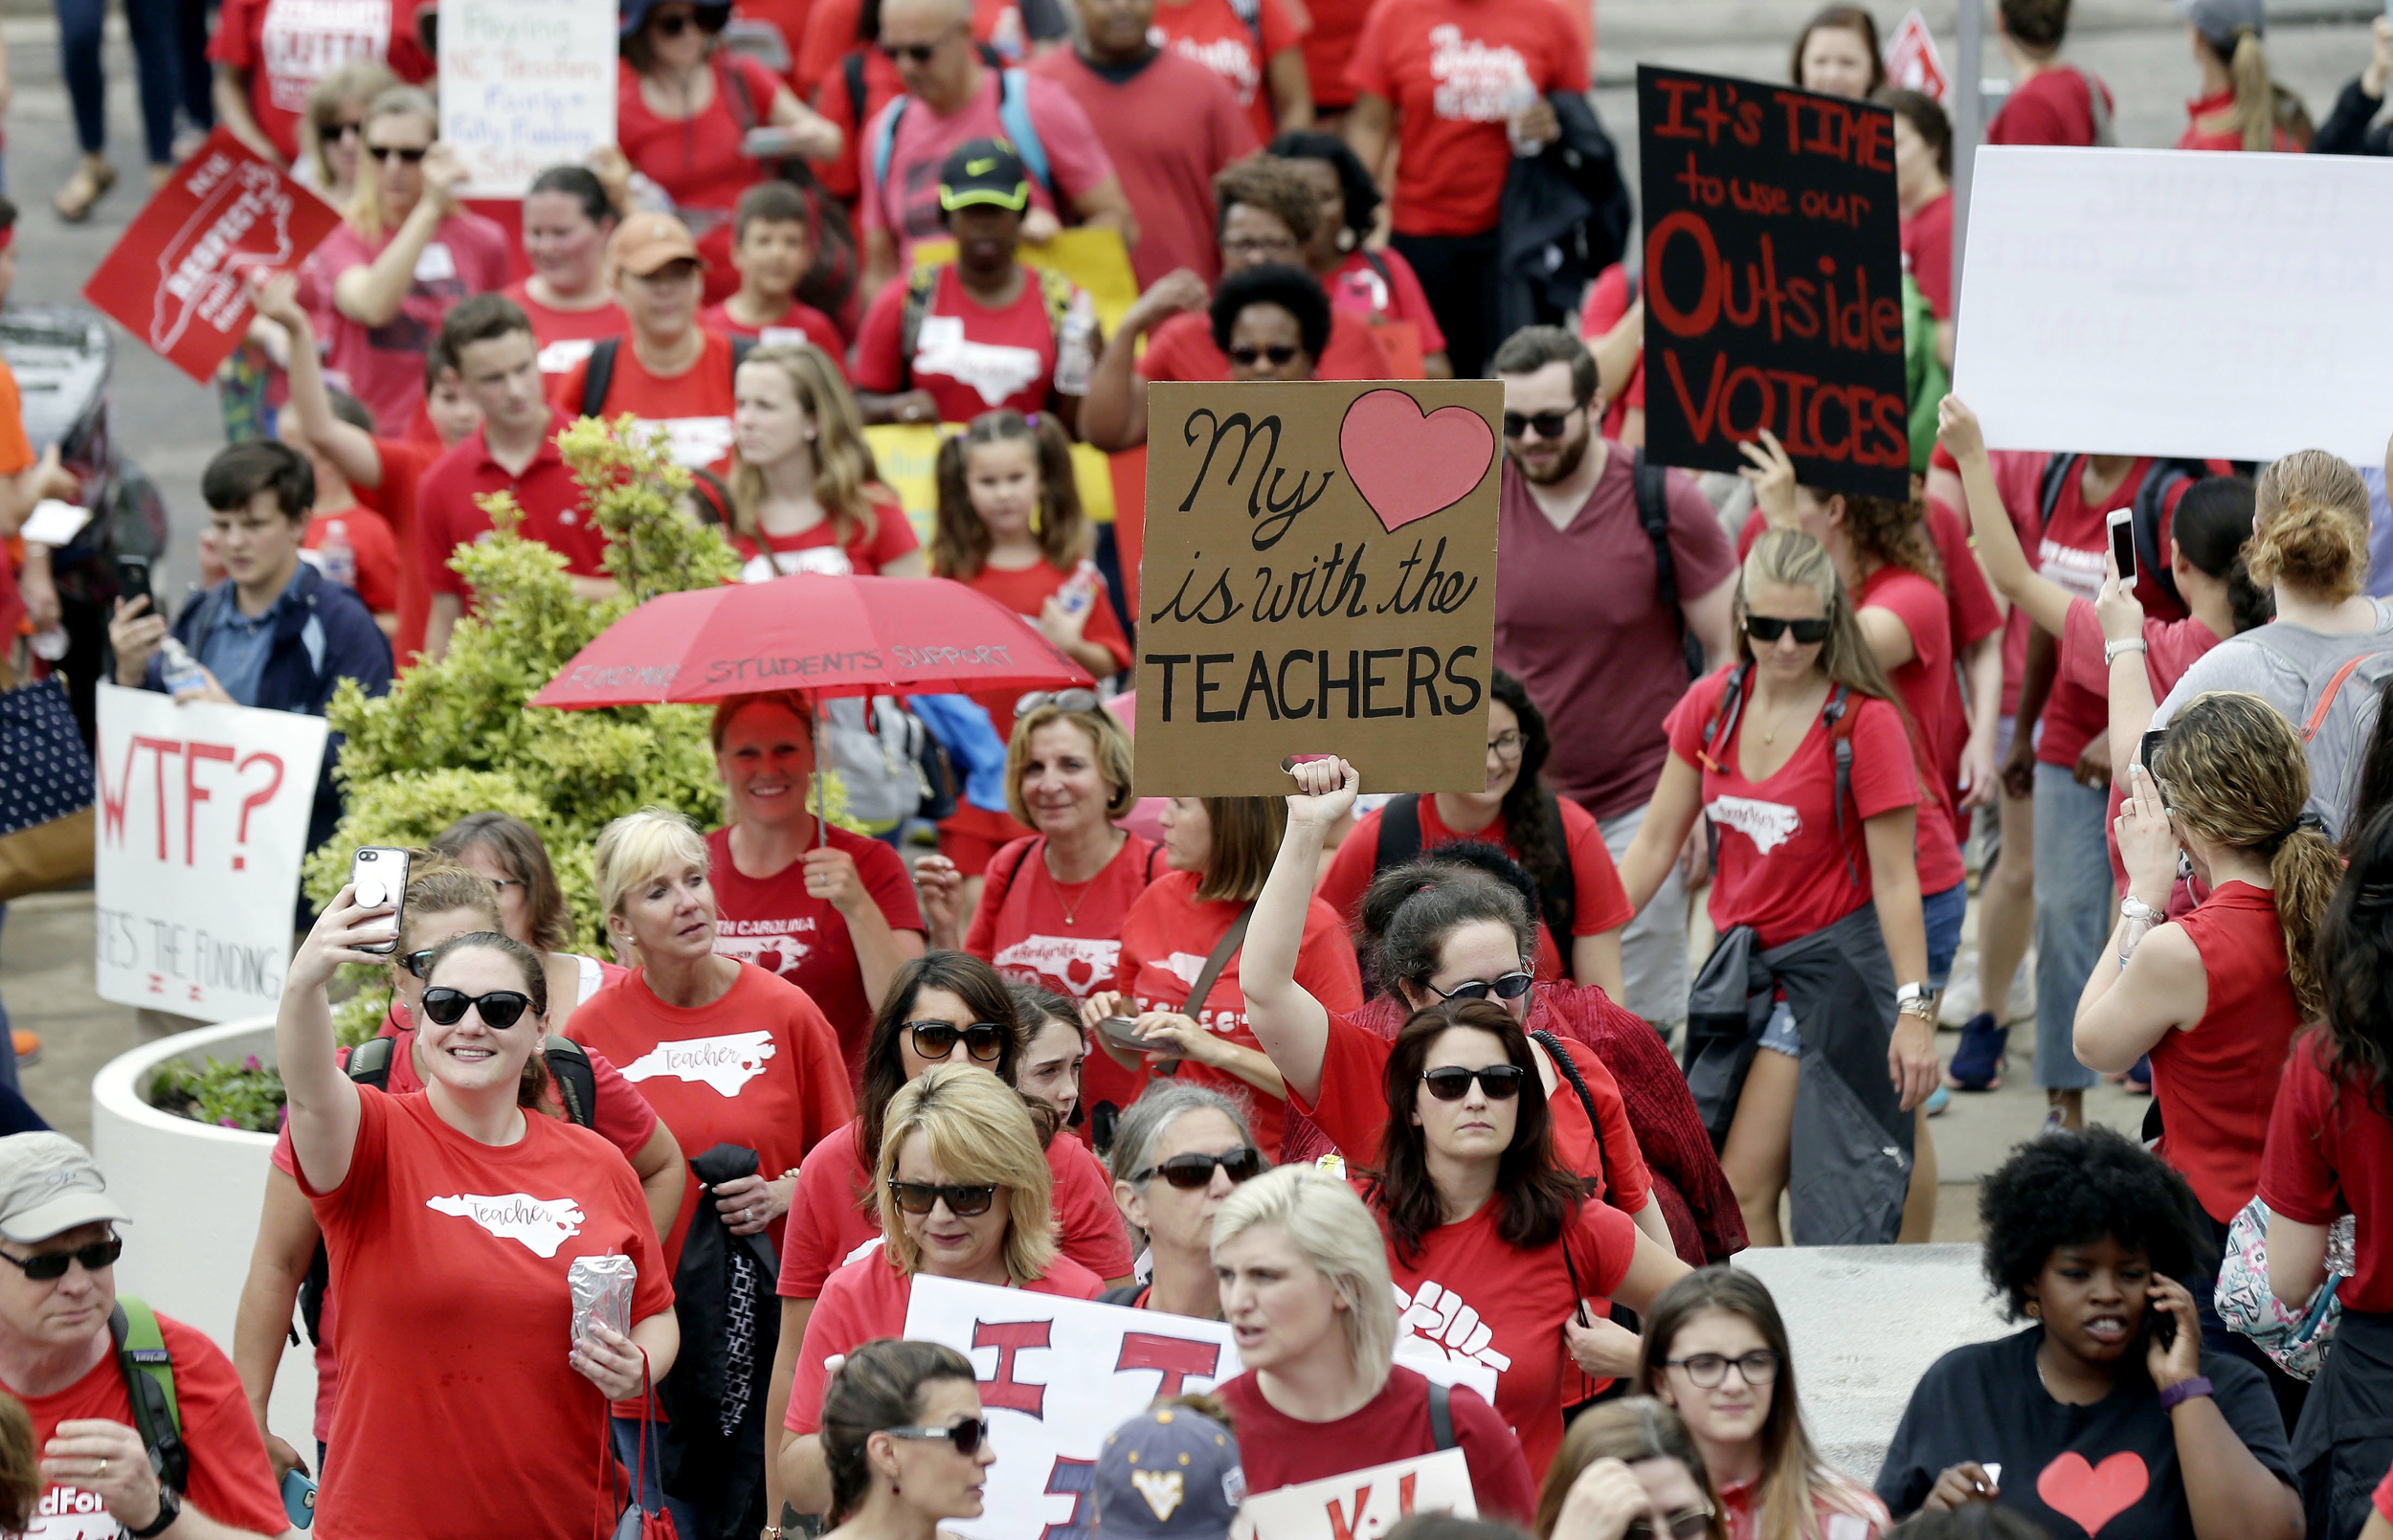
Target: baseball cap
{"points": [[1170, 1473], [983, 172], [647, 240], [2220, 20], [48, 1184]]}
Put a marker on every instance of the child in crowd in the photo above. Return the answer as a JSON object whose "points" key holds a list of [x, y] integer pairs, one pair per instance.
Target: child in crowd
{"points": [[772, 247]]}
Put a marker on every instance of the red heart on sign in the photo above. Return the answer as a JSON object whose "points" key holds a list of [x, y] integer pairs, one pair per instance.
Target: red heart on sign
{"points": [[2091, 1496], [1407, 464]]}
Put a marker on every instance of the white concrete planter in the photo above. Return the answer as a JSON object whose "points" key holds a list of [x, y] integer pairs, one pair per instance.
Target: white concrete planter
{"points": [[194, 1190]]}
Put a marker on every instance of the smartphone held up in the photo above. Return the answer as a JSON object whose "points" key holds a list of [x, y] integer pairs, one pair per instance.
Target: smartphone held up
{"points": [[378, 879]]}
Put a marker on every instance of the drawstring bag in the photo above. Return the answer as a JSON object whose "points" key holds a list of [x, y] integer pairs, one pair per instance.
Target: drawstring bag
{"points": [[2296, 1341], [634, 1521]]}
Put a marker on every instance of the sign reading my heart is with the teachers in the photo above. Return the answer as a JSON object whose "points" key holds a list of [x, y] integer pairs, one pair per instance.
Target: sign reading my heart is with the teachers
{"points": [[1319, 578]]}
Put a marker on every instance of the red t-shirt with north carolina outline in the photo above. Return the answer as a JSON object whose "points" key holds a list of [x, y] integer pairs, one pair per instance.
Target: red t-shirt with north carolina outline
{"points": [[972, 358], [1166, 938], [231, 1480], [694, 407], [431, 1226], [878, 541], [1781, 867]]}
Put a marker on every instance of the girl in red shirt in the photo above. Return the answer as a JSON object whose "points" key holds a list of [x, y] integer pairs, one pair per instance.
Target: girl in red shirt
{"points": [[963, 1191], [2241, 106], [1304, 1286], [1804, 846], [804, 494], [531, 906], [568, 220], [1053, 1049], [1177, 1152], [1378, 286], [455, 1205]]}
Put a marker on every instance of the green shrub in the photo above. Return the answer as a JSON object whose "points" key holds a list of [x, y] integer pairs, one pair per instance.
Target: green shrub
{"points": [[246, 1095]]}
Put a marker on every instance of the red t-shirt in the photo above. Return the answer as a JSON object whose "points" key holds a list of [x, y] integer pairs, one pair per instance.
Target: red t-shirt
{"points": [[2054, 106], [1025, 590], [565, 336], [835, 1214], [2075, 542], [1928, 694], [887, 535], [801, 323], [15, 455], [384, 366], [1602, 904], [231, 1480], [1781, 867], [1328, 44], [1455, 70], [2330, 1153], [1927, 241], [1166, 129], [1166, 938], [2217, 1082], [694, 407], [1357, 288], [2210, 107], [404, 463], [971, 357], [1183, 348], [1353, 1112], [287, 46], [371, 545], [551, 499], [770, 921], [1607, 302], [1215, 35], [696, 160], [1278, 1450], [759, 1068], [1515, 1357], [867, 1299], [429, 1225]]}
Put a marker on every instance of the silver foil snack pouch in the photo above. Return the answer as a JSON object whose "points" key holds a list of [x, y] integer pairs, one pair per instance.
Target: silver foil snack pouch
{"points": [[602, 1291]]}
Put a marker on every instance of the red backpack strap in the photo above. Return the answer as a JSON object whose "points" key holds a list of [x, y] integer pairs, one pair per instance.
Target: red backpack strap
{"points": [[2326, 698], [1836, 716], [1722, 728]]}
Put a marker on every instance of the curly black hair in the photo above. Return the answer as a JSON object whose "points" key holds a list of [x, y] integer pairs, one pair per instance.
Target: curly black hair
{"points": [[2072, 1187], [1359, 193], [1291, 288]]}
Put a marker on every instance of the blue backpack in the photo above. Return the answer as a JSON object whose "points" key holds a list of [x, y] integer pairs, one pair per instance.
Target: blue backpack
{"points": [[1013, 114]]}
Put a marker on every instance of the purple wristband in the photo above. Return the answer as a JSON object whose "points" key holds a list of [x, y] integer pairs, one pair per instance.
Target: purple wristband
{"points": [[2184, 1389]]}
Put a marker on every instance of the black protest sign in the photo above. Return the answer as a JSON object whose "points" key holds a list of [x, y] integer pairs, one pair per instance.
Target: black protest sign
{"points": [[1774, 279], [1319, 578]]}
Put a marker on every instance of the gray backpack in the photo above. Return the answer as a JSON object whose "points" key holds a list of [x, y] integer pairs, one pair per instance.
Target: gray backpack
{"points": [[876, 745], [2343, 686]]}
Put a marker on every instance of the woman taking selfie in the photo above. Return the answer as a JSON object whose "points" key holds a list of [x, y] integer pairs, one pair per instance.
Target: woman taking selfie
{"points": [[1177, 1152], [904, 1440]]}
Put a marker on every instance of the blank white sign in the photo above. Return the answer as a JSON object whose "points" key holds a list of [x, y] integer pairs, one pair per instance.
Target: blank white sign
{"points": [[2141, 302]]}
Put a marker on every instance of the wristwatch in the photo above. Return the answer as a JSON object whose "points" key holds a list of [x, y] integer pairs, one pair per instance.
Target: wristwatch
{"points": [[1913, 999], [169, 1510], [2110, 650]]}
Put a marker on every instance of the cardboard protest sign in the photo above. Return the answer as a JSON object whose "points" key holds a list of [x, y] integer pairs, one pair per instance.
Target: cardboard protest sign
{"points": [[1361, 1504], [525, 85], [174, 279], [1912, 62], [1055, 1376], [1774, 279], [1318, 579], [203, 824], [2130, 302]]}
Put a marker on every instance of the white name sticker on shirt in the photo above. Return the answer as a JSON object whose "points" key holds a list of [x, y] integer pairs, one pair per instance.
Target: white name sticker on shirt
{"points": [[436, 263], [1442, 1337], [696, 442], [829, 560], [560, 357], [1767, 824], [541, 1224], [725, 1063], [1081, 963]]}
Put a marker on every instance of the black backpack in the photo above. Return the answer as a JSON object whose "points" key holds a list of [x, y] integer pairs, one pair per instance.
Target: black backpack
{"points": [[1653, 514], [599, 376], [1400, 842], [2150, 507]]}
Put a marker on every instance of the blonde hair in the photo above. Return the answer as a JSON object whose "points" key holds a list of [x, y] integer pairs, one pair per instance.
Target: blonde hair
{"points": [[1338, 1239], [2233, 770], [1105, 733], [1792, 559], [360, 79], [2309, 526], [365, 213], [2261, 107], [437, 885], [638, 846], [979, 1130], [843, 462]]}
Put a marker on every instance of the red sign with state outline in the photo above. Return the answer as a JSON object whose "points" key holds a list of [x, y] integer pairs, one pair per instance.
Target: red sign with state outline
{"points": [[174, 279], [1912, 62]]}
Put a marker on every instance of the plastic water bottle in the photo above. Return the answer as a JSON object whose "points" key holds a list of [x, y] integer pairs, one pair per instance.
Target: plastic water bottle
{"points": [[50, 645], [336, 557], [1076, 347], [1079, 589], [182, 671]]}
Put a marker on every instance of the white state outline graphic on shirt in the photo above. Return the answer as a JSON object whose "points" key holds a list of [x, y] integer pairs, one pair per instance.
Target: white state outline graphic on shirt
{"points": [[998, 371], [1055, 956], [726, 1062], [1767, 824], [541, 1224], [1443, 1338]]}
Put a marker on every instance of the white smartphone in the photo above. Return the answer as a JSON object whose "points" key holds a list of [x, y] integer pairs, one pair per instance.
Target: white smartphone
{"points": [[378, 875], [2122, 522]]}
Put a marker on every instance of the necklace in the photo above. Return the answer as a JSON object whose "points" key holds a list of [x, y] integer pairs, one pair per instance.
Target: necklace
{"points": [[1770, 732], [1070, 907]]}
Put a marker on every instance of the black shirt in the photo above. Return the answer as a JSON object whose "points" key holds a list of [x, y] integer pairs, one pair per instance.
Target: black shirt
{"points": [[2109, 1469]]}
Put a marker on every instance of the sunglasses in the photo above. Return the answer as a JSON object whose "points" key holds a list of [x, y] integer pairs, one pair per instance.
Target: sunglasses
{"points": [[1709, 1371], [1060, 700], [1281, 355], [1451, 1083], [918, 52], [408, 153], [501, 1009], [1692, 1525], [1191, 1172], [984, 1041], [416, 961], [46, 1266], [1770, 628], [1508, 986], [967, 1435], [676, 24], [921, 1197], [337, 132], [1549, 424]]}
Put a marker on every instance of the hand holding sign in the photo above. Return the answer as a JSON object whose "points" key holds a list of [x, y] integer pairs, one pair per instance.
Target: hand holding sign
{"points": [[1325, 793]]}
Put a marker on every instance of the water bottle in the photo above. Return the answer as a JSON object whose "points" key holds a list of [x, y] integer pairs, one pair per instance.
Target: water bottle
{"points": [[336, 558], [1076, 347], [182, 671], [1079, 589]]}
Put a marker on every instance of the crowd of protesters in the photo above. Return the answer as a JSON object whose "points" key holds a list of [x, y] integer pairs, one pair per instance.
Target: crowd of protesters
{"points": [[1426, 1098]]}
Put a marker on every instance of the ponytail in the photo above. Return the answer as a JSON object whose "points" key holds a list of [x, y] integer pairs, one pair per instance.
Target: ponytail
{"points": [[2255, 93], [2304, 870]]}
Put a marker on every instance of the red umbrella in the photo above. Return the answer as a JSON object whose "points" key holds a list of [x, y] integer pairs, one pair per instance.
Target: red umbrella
{"points": [[814, 633]]}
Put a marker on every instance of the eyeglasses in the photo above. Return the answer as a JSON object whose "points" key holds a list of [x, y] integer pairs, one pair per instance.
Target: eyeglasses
{"points": [[1060, 700], [501, 1009], [1281, 355], [416, 961], [918, 54], [984, 1041], [967, 1435], [1452, 1083], [1261, 246], [1507, 744], [1692, 1525], [48, 1266], [1191, 1172], [411, 155], [1549, 424], [1508, 986], [1770, 628], [921, 1197], [1706, 1371]]}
